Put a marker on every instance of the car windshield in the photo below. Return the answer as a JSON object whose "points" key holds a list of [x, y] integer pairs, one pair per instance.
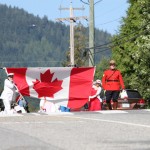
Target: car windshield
{"points": [[133, 94]]}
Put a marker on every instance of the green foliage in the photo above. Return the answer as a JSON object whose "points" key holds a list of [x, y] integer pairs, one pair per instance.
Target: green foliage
{"points": [[131, 47], [101, 67]]}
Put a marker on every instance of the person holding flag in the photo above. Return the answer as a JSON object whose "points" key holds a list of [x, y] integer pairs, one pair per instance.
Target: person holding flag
{"points": [[95, 100], [9, 92]]}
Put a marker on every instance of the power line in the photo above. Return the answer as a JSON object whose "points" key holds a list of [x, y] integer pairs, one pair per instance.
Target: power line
{"points": [[97, 2], [101, 46], [118, 44], [111, 10], [109, 21], [85, 2], [122, 42], [98, 46], [88, 2]]}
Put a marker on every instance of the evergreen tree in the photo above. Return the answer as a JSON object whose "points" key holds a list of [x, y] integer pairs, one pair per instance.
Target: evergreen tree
{"points": [[101, 67], [131, 47]]}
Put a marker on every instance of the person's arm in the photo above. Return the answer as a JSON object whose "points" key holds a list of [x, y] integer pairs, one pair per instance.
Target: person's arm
{"points": [[97, 93], [121, 81], [103, 80], [9, 84]]}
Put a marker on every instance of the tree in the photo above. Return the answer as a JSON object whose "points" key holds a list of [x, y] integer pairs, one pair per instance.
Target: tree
{"points": [[131, 47], [103, 65], [80, 44]]}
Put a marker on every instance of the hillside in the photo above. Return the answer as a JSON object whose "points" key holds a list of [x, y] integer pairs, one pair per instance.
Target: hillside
{"points": [[29, 41]]}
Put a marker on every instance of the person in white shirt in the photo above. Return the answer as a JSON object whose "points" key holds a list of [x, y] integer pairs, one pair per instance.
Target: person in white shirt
{"points": [[8, 94], [47, 106]]}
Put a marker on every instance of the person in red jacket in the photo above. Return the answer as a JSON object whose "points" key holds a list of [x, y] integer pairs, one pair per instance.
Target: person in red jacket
{"points": [[112, 82]]}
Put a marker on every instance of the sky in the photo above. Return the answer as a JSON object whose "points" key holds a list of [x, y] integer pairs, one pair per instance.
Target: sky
{"points": [[108, 13]]}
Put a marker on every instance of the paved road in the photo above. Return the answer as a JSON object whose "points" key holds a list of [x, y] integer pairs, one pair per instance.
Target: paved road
{"points": [[103, 130]]}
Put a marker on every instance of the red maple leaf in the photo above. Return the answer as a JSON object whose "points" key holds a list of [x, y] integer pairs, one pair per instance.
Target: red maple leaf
{"points": [[46, 87]]}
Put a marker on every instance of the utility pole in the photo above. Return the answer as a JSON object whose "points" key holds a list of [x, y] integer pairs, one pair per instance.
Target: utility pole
{"points": [[91, 34], [71, 19], [91, 4]]}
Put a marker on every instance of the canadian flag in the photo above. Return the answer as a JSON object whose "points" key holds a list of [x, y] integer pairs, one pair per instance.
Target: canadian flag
{"points": [[68, 86]]}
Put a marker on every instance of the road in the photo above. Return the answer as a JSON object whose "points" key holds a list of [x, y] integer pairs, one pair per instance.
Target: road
{"points": [[103, 130]]}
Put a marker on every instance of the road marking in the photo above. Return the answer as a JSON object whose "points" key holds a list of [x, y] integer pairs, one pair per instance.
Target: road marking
{"points": [[60, 113], [36, 114], [68, 113], [11, 115], [112, 112], [146, 109], [35, 122], [109, 121]]}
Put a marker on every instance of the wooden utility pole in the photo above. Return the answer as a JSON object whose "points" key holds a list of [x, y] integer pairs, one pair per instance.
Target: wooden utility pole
{"points": [[91, 34], [91, 4], [71, 19]]}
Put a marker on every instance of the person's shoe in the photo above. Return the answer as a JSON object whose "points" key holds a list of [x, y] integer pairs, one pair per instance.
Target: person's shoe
{"points": [[109, 106], [19, 111], [115, 105]]}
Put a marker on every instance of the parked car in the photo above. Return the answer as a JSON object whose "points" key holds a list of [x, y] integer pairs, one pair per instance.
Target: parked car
{"points": [[134, 101]]}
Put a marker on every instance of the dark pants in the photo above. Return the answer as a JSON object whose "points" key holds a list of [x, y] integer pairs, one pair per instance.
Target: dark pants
{"points": [[112, 95]]}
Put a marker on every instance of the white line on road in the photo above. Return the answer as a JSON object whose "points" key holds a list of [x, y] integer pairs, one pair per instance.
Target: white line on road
{"points": [[53, 113], [146, 109], [60, 113], [109, 121], [35, 122], [36, 114], [11, 115], [112, 112]]}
